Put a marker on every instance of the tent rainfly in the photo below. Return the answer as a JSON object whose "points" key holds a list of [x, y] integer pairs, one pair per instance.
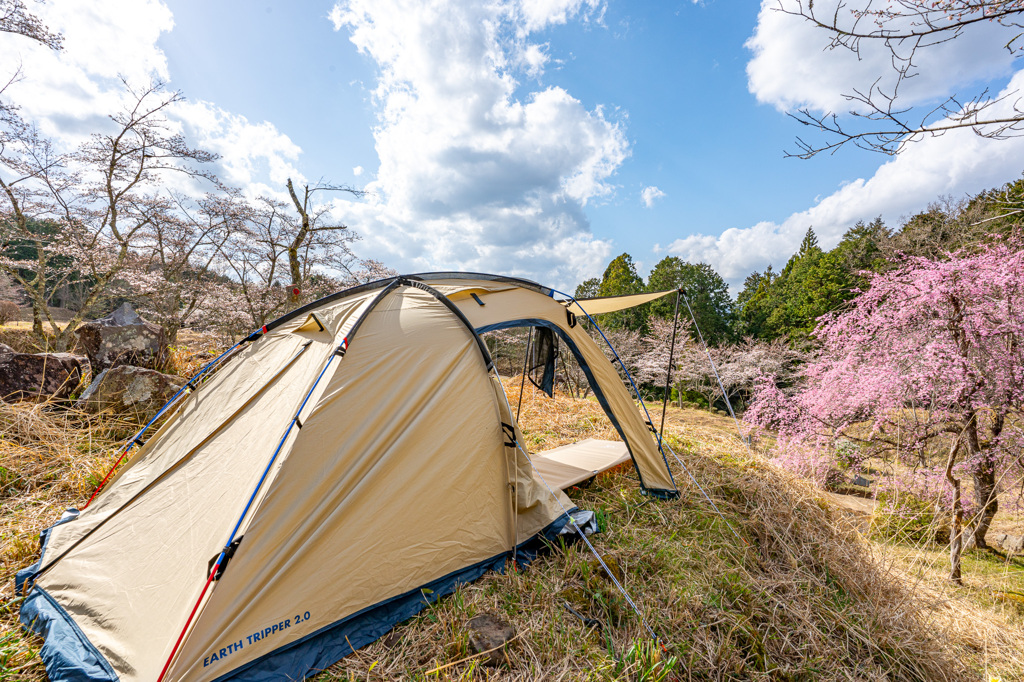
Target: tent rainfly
{"points": [[338, 466]]}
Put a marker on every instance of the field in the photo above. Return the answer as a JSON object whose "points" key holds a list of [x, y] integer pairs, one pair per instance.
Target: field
{"points": [[751, 575]]}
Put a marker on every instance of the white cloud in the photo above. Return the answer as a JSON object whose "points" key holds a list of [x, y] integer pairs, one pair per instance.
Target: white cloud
{"points": [[472, 176], [357, 171], [649, 194], [956, 164], [251, 153], [69, 94], [792, 66]]}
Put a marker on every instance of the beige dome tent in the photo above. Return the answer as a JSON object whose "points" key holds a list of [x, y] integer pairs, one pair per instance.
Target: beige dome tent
{"points": [[297, 503]]}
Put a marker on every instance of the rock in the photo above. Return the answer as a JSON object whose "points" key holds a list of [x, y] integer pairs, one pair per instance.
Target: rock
{"points": [[35, 376], [1013, 543], [487, 632], [130, 390], [123, 338]]}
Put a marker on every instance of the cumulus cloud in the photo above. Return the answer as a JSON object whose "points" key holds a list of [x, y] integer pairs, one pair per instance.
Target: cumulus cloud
{"points": [[69, 94], [472, 175], [792, 66], [649, 194], [357, 171], [251, 153], [956, 164]]}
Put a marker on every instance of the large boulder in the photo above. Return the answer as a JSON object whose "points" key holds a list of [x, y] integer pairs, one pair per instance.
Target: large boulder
{"points": [[38, 376], [129, 391], [123, 338]]}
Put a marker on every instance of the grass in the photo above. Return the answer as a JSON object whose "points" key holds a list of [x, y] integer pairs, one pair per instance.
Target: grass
{"points": [[780, 586]]}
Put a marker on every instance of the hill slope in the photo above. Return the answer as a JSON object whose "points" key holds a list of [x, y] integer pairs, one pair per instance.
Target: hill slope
{"points": [[775, 584]]}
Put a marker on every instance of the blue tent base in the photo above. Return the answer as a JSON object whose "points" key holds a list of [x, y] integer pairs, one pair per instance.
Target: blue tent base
{"points": [[321, 649], [70, 657], [68, 654]]}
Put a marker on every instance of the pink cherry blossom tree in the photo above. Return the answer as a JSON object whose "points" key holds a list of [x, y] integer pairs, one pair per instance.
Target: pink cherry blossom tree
{"points": [[927, 364]]}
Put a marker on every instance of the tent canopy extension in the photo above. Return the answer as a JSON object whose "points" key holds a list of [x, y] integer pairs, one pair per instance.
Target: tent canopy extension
{"points": [[276, 518]]}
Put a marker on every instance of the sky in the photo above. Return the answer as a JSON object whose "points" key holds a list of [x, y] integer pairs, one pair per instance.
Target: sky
{"points": [[536, 138]]}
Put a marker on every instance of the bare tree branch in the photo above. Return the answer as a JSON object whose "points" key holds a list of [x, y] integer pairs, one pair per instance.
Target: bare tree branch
{"points": [[15, 18], [880, 123]]}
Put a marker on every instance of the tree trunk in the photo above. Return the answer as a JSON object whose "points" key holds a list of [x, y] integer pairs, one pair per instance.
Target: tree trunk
{"points": [[956, 537], [985, 500], [984, 482], [294, 266], [37, 324]]}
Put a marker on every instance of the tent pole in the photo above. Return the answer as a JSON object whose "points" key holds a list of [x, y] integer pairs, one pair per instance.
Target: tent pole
{"points": [[668, 369], [526, 361]]}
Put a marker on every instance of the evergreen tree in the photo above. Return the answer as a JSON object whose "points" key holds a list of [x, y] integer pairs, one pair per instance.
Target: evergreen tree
{"points": [[809, 243], [706, 291], [621, 279], [755, 303], [590, 288]]}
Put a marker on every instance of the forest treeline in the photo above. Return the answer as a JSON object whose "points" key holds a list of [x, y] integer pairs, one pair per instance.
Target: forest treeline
{"points": [[786, 304]]}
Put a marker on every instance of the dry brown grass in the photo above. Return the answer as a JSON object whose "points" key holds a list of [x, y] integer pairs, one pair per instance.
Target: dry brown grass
{"points": [[801, 596], [50, 460]]}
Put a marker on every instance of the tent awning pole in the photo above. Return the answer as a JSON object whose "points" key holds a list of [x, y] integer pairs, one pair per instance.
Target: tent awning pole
{"points": [[668, 369], [526, 362]]}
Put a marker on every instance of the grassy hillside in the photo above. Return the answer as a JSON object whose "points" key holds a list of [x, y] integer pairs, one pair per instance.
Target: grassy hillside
{"points": [[784, 587]]}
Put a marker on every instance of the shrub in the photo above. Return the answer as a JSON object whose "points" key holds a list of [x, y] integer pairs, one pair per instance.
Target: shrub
{"points": [[9, 311], [849, 456], [903, 516]]}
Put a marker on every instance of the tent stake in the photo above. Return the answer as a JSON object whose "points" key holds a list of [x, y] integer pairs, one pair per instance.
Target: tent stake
{"points": [[668, 369]]}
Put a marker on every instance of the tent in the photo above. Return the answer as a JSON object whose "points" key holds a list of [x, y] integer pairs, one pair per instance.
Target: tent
{"points": [[331, 470]]}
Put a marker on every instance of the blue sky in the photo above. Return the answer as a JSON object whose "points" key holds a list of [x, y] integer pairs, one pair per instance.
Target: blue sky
{"points": [[522, 136]]}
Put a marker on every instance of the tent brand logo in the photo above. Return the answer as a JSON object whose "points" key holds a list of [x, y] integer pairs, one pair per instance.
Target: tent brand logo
{"points": [[255, 637], [225, 651]]}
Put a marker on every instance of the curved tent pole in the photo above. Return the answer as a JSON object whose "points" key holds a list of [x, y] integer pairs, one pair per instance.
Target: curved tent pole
{"points": [[338, 352], [173, 467], [660, 442], [186, 390], [526, 362], [215, 569], [629, 376]]}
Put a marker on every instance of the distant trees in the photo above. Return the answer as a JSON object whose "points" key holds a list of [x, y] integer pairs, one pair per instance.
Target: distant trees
{"points": [[706, 292], [787, 305], [643, 337], [621, 279], [135, 213], [772, 322], [85, 213], [589, 288]]}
